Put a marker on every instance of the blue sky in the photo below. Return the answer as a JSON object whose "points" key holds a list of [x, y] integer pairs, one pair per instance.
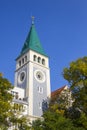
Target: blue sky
{"points": [[61, 26]]}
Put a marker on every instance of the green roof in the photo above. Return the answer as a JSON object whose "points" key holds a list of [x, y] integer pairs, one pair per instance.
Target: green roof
{"points": [[32, 42]]}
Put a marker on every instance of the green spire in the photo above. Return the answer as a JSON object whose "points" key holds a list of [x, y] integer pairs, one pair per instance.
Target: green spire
{"points": [[32, 41]]}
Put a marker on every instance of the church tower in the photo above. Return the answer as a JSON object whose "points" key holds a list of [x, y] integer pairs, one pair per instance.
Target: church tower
{"points": [[32, 76]]}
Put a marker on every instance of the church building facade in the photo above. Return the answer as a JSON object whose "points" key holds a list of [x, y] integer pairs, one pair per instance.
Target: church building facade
{"points": [[32, 77]]}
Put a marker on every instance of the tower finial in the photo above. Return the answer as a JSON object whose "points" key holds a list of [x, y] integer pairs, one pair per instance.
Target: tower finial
{"points": [[32, 17]]}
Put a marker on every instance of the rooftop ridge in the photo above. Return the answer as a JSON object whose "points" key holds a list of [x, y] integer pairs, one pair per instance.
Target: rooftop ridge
{"points": [[58, 91]]}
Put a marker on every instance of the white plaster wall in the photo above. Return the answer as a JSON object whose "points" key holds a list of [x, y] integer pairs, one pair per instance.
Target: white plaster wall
{"points": [[20, 91], [32, 53]]}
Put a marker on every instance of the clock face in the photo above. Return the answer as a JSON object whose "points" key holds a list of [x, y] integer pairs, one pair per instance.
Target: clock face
{"points": [[21, 77], [39, 76]]}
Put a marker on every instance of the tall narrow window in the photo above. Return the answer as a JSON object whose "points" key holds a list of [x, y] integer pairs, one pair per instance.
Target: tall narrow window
{"points": [[39, 60], [23, 61], [20, 63], [43, 61], [35, 58], [25, 58], [40, 89]]}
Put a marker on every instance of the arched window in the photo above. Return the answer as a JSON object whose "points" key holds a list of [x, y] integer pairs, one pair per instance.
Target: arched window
{"points": [[43, 61], [35, 58], [25, 58], [23, 61], [20, 63], [39, 60]]}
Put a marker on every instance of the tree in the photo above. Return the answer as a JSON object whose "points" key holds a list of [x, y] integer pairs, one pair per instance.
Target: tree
{"points": [[23, 123], [62, 99], [76, 75], [54, 121], [37, 125], [8, 115], [5, 102]]}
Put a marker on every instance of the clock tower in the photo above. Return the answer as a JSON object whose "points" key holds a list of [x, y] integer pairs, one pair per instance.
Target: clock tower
{"points": [[32, 76]]}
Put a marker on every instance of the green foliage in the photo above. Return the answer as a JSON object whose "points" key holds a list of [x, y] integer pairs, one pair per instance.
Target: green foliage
{"points": [[83, 120], [5, 102], [76, 75], [59, 109], [54, 121], [37, 125], [23, 123], [9, 113]]}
